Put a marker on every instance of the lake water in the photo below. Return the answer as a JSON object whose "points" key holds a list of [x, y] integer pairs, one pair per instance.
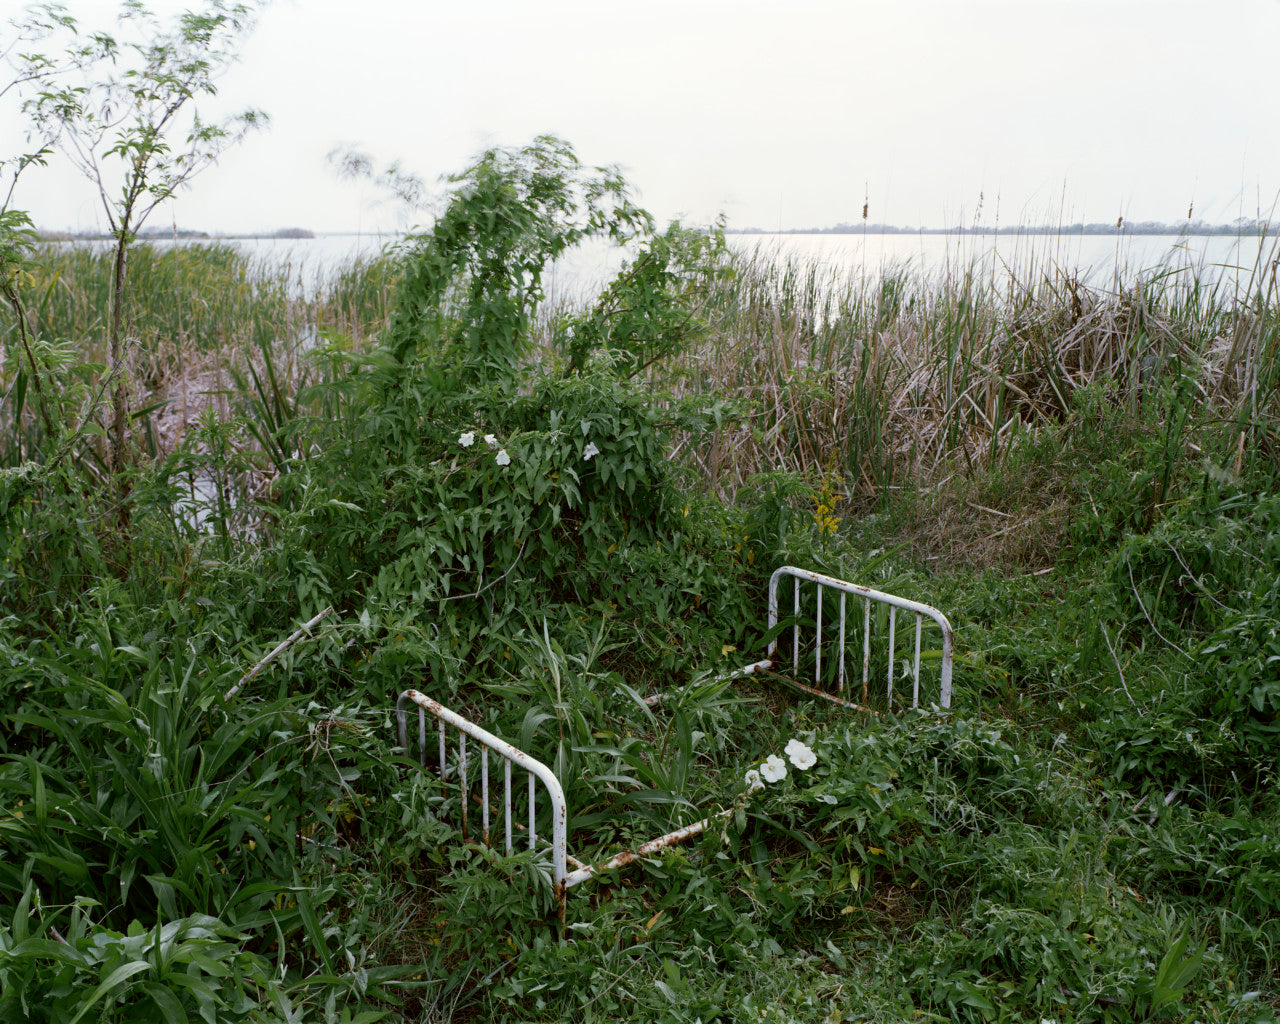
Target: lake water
{"points": [[1096, 258]]}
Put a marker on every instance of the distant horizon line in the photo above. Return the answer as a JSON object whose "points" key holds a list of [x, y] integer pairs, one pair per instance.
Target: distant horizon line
{"points": [[1243, 227]]}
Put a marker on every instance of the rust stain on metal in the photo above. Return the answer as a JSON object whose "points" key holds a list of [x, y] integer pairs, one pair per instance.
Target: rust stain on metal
{"points": [[867, 595], [815, 692], [563, 878]]}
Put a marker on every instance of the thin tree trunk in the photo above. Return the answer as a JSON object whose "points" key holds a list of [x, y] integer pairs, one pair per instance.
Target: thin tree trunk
{"points": [[119, 402]]}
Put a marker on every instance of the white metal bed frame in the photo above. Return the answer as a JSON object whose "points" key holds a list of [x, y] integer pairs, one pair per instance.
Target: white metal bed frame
{"points": [[561, 861]]}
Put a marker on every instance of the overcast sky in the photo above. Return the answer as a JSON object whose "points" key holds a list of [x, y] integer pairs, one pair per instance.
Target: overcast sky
{"points": [[778, 114]]}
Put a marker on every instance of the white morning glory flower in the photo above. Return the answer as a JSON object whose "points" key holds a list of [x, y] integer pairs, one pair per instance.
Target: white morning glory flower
{"points": [[800, 755], [774, 769], [590, 451], [490, 440], [502, 458], [753, 781], [467, 439]]}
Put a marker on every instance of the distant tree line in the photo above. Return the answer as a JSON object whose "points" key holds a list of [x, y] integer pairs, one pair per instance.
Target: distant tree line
{"points": [[1241, 226], [153, 234]]}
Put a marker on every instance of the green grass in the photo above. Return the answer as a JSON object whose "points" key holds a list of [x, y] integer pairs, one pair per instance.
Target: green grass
{"points": [[1083, 480]]}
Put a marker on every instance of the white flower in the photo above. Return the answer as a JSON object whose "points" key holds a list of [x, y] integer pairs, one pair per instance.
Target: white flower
{"points": [[774, 769], [590, 451], [753, 781], [800, 755], [502, 458], [490, 440], [467, 439]]}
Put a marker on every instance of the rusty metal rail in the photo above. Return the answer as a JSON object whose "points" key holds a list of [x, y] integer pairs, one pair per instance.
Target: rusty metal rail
{"points": [[461, 770], [812, 647], [562, 878]]}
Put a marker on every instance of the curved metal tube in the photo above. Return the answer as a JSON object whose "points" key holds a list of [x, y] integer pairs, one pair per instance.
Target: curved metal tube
{"points": [[868, 595]]}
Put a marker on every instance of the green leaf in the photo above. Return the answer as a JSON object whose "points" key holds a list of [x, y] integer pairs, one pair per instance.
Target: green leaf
{"points": [[310, 920], [113, 980], [1174, 973], [170, 1007], [21, 913]]}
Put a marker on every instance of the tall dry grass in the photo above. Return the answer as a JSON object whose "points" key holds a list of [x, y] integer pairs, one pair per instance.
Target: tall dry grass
{"points": [[882, 380], [902, 377], [201, 317]]}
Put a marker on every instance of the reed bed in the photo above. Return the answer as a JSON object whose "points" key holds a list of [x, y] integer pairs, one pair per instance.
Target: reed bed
{"points": [[203, 319], [902, 377], [191, 299], [880, 381]]}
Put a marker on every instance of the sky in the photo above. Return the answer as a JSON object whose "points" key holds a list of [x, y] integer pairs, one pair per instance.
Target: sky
{"points": [[776, 114]]}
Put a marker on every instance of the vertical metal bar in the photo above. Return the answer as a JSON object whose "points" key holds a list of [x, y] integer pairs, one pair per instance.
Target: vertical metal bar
{"points": [[866, 645], [948, 654], [484, 792], [840, 685], [795, 629], [442, 755], [915, 689], [817, 643], [533, 835], [506, 763], [422, 737], [798, 576], [773, 610], [893, 621], [462, 783]]}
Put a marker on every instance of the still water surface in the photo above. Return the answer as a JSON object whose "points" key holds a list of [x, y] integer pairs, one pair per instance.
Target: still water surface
{"points": [[1099, 259]]}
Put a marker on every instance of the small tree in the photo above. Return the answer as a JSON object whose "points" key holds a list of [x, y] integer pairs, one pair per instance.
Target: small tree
{"points": [[473, 283], [131, 126], [29, 68]]}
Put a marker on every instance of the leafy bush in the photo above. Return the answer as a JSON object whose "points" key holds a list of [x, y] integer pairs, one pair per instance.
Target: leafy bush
{"points": [[477, 492], [1202, 584], [192, 967]]}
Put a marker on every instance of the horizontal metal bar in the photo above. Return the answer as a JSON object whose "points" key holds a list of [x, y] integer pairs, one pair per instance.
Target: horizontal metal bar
{"points": [[559, 810], [626, 857], [854, 588], [857, 589]]}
